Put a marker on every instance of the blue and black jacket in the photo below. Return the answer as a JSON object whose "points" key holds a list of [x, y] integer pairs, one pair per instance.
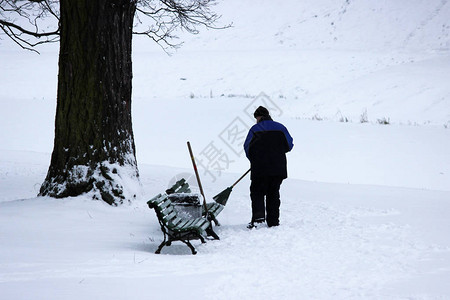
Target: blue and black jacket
{"points": [[265, 146]]}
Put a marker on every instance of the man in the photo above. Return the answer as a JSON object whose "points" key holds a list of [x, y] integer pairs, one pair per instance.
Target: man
{"points": [[265, 146]]}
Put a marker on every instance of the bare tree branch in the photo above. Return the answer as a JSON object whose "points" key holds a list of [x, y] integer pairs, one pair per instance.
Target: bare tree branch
{"points": [[160, 20], [157, 19], [23, 22], [24, 31]]}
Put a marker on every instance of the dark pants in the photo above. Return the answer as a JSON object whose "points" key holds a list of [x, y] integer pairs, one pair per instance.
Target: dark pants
{"points": [[268, 187]]}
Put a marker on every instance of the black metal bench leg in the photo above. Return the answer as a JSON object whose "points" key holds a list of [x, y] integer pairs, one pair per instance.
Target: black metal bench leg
{"points": [[202, 239], [164, 242], [190, 246], [158, 251], [210, 217], [210, 232], [216, 221]]}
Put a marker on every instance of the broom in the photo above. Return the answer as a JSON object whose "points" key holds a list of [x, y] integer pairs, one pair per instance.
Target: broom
{"points": [[223, 196]]}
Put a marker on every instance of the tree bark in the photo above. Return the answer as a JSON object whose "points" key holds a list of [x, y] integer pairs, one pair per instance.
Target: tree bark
{"points": [[94, 149]]}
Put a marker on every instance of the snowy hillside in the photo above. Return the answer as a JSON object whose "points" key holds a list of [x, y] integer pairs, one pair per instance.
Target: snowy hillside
{"points": [[332, 59], [418, 25], [365, 208]]}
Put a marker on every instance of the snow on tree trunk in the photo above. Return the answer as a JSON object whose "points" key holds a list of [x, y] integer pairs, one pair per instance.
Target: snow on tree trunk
{"points": [[94, 149]]}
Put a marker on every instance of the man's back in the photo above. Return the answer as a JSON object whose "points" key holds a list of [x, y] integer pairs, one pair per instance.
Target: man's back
{"points": [[265, 146]]}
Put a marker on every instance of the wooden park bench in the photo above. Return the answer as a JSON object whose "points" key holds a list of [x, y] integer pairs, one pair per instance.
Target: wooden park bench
{"points": [[175, 228], [212, 210]]}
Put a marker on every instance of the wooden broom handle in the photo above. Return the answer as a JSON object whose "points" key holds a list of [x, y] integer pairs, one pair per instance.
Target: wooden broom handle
{"points": [[196, 175]]}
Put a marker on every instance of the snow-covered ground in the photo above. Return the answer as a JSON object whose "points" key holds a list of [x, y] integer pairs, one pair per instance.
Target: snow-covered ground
{"points": [[364, 212], [335, 242]]}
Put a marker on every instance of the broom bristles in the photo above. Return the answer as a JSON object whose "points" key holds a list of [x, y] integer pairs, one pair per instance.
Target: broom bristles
{"points": [[222, 197]]}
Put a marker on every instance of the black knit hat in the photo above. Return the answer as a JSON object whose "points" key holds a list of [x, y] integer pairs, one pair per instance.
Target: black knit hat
{"points": [[261, 112]]}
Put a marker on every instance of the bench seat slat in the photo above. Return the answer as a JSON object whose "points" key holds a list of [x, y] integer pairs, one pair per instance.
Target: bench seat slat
{"points": [[181, 225], [195, 223], [181, 229], [187, 224], [214, 208], [205, 225], [169, 217], [175, 223]]}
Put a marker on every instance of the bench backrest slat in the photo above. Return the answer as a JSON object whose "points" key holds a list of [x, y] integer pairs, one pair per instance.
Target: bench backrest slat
{"points": [[184, 188], [168, 217], [161, 206], [155, 201], [181, 186], [166, 210]]}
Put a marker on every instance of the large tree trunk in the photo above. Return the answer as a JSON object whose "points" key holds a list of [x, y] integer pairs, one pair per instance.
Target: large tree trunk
{"points": [[94, 148]]}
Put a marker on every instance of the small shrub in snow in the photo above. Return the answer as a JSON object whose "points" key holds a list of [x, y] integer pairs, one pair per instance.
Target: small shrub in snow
{"points": [[341, 117], [316, 117], [364, 117], [384, 121], [239, 96]]}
